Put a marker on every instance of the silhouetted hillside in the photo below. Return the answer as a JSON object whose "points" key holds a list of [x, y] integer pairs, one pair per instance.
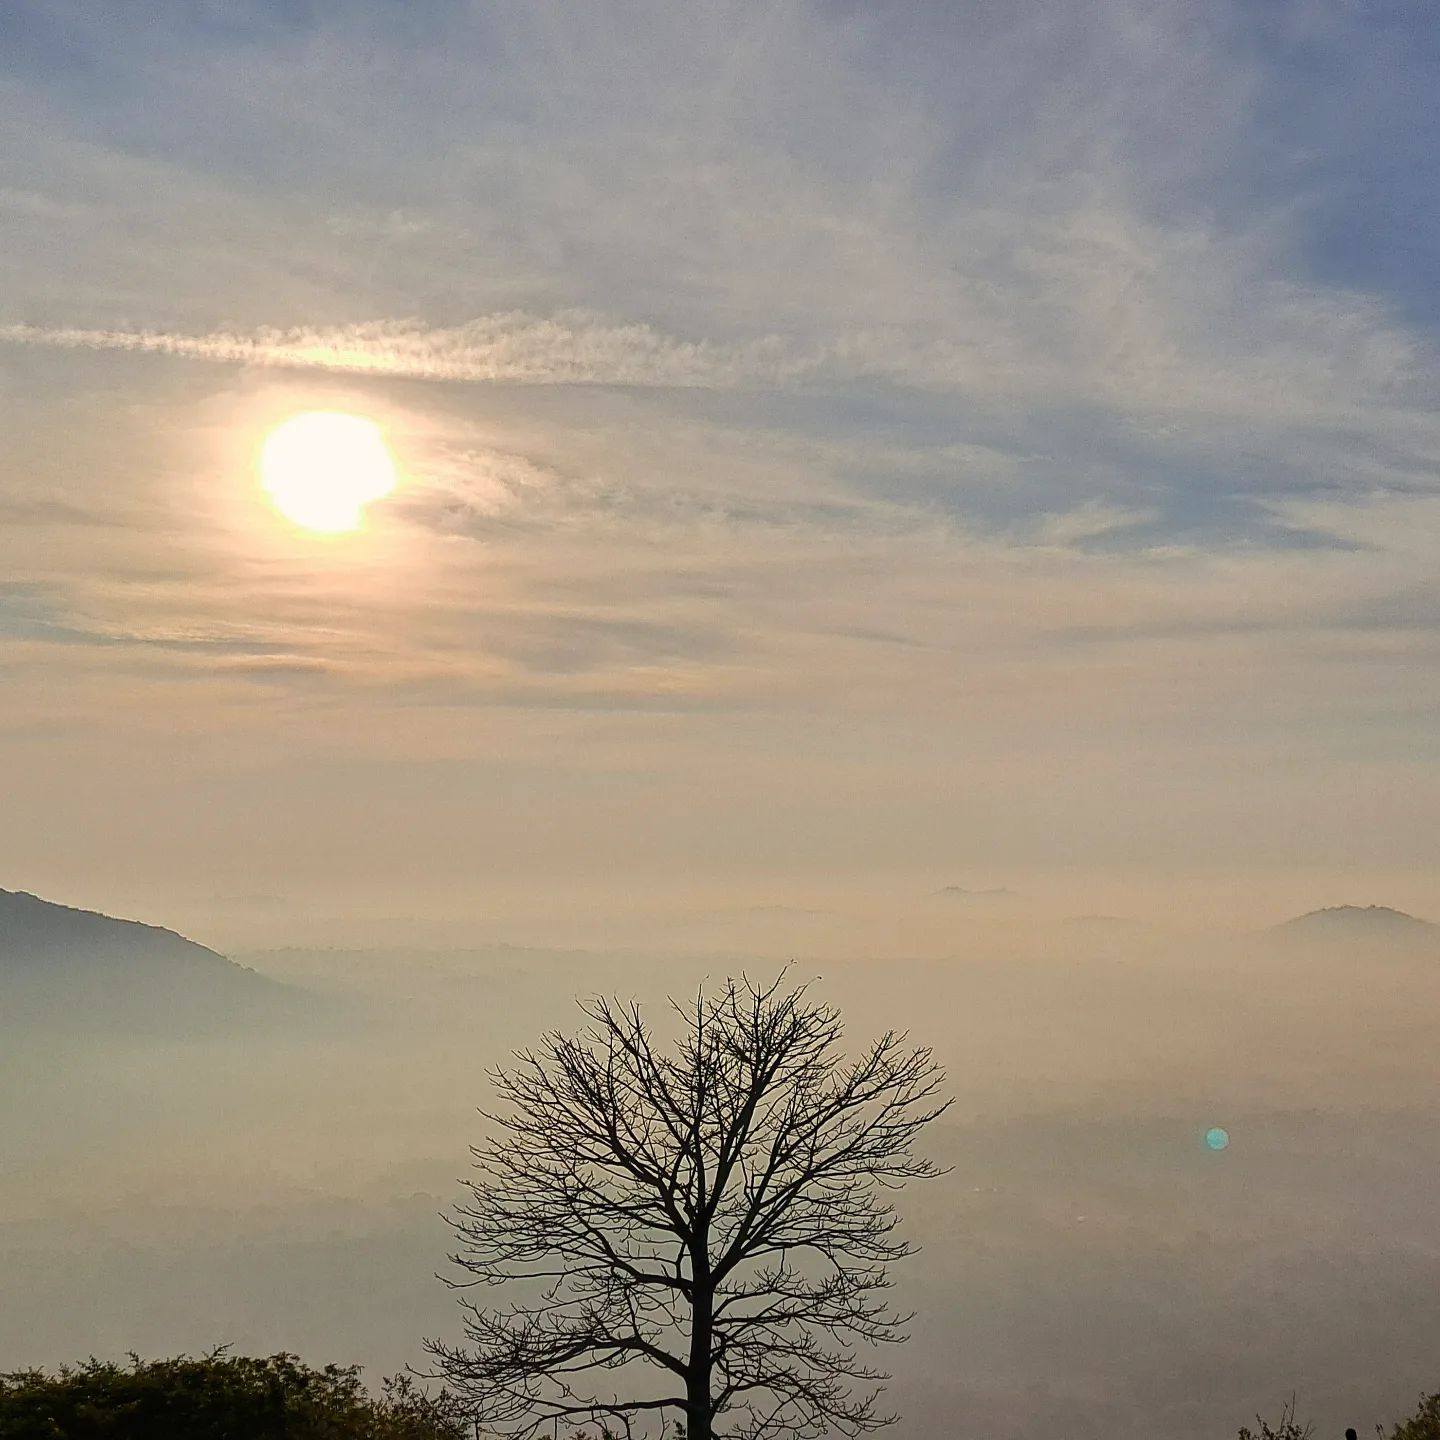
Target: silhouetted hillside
{"points": [[1365, 924], [63, 968], [39, 932]]}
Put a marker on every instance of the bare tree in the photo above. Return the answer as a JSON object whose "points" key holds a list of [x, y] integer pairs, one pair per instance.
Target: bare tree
{"points": [[700, 1231]]}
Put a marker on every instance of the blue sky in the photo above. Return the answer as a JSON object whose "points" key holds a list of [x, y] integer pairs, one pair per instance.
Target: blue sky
{"points": [[1050, 386]]}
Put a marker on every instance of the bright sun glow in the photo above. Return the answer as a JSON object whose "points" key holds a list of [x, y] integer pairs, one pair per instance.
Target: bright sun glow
{"points": [[321, 469]]}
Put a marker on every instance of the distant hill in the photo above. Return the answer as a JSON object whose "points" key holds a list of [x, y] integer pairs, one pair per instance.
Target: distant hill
{"points": [[963, 892], [1363, 924], [62, 968]]}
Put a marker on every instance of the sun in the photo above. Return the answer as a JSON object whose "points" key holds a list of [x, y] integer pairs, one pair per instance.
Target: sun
{"points": [[321, 469]]}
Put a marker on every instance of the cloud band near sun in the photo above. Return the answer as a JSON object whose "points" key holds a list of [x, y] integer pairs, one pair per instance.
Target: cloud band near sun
{"points": [[575, 349]]}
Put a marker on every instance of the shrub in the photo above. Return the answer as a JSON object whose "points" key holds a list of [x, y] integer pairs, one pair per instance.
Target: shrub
{"points": [[218, 1397], [1289, 1428], [1424, 1424]]}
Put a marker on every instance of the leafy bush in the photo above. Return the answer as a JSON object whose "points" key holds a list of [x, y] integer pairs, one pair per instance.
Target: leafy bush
{"points": [[1424, 1424], [218, 1397]]}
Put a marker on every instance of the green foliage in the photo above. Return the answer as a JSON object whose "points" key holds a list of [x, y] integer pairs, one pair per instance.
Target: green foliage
{"points": [[218, 1397], [1424, 1424]]}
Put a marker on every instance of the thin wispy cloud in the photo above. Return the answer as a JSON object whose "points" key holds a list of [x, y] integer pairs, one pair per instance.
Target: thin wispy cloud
{"points": [[514, 348], [1298, 354]]}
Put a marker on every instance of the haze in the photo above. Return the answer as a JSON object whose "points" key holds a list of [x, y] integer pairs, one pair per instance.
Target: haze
{"points": [[948, 496]]}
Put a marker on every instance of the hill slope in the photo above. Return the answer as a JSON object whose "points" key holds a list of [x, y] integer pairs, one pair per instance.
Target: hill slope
{"points": [[63, 968]]}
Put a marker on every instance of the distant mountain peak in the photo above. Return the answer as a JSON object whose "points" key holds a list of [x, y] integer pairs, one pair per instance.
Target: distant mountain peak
{"points": [[963, 892], [1356, 920]]}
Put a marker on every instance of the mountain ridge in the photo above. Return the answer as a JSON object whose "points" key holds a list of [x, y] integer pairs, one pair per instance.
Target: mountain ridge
{"points": [[29, 922], [62, 967]]}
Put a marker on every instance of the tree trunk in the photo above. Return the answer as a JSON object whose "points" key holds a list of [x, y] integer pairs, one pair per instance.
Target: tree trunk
{"points": [[698, 1419]]}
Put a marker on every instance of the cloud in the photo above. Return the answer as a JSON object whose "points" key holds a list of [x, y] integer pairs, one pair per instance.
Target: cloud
{"points": [[568, 349], [1089, 521], [1405, 526], [1125, 340]]}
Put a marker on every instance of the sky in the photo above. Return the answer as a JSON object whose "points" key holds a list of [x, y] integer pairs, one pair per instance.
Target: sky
{"points": [[845, 450]]}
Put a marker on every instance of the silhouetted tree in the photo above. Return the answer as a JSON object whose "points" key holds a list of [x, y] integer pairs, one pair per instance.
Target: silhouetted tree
{"points": [[698, 1230]]}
